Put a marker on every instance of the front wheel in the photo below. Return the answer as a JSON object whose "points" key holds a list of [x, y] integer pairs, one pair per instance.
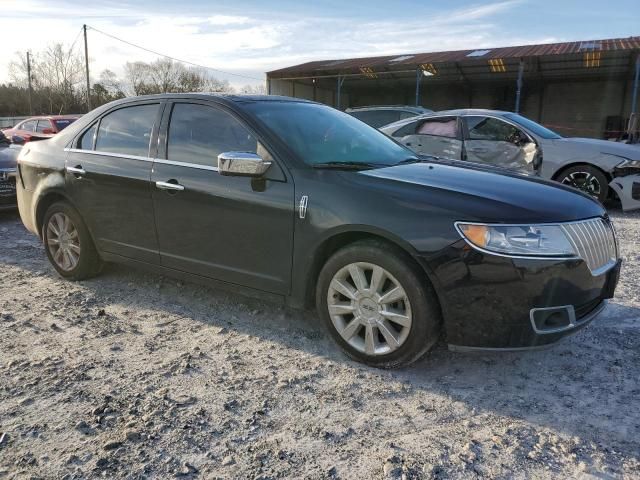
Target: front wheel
{"points": [[377, 305], [587, 178], [68, 244]]}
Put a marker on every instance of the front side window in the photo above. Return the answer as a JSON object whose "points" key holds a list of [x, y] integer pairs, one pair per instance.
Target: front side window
{"points": [[127, 131], [42, 125], [199, 133], [319, 134], [489, 128]]}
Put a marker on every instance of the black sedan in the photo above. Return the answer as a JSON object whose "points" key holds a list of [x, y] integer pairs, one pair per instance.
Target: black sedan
{"points": [[295, 201]]}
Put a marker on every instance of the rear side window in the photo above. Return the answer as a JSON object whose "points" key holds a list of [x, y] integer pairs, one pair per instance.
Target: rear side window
{"points": [[439, 127], [127, 130], [199, 133]]}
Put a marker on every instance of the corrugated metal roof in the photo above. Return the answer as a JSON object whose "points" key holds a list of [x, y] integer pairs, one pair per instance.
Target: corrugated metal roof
{"points": [[408, 60]]}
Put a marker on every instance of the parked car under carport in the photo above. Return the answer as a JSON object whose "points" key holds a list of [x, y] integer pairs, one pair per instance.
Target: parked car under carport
{"points": [[506, 139]]}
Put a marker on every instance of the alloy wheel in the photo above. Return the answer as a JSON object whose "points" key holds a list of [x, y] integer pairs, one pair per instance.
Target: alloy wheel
{"points": [[369, 308], [585, 181], [63, 241]]}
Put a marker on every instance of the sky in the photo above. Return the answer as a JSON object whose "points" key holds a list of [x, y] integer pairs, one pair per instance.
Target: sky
{"points": [[251, 37]]}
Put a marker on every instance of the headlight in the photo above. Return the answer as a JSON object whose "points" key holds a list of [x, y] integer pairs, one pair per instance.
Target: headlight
{"points": [[518, 240], [629, 164]]}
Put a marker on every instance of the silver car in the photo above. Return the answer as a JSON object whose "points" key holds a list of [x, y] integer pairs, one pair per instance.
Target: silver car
{"points": [[512, 141]]}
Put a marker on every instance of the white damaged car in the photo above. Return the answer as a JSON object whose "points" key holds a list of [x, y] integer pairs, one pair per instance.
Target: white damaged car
{"points": [[505, 139]]}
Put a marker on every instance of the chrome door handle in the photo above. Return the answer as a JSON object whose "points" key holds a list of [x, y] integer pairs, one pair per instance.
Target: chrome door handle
{"points": [[169, 186], [77, 170]]}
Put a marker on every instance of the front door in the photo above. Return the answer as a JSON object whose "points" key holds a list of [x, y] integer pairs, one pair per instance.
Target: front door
{"points": [[107, 175], [499, 143], [234, 229], [437, 136]]}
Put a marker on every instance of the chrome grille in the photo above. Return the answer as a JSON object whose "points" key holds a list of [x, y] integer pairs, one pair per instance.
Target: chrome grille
{"points": [[595, 243]]}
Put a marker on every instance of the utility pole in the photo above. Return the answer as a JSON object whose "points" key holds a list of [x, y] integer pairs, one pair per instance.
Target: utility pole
{"points": [[86, 64], [29, 81]]}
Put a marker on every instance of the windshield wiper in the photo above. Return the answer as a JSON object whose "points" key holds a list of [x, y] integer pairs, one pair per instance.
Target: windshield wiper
{"points": [[421, 159], [349, 165]]}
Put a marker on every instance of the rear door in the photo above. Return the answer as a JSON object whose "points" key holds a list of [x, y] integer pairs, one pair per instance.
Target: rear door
{"points": [[438, 136], [107, 174], [234, 229], [496, 142]]}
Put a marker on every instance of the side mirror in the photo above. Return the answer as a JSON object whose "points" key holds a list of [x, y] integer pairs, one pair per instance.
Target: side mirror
{"points": [[18, 140], [48, 131], [242, 164]]}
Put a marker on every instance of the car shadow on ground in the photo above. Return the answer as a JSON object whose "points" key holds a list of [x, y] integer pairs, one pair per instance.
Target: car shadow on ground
{"points": [[562, 388]]}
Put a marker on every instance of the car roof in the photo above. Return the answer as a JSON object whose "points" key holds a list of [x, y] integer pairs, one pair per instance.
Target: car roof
{"points": [[53, 117], [225, 97], [469, 111], [411, 108]]}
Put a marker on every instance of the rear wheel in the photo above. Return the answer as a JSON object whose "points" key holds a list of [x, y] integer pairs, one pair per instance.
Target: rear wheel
{"points": [[377, 306], [587, 178], [68, 244]]}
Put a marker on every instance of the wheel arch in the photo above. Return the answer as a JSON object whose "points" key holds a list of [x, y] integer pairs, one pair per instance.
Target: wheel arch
{"points": [[45, 200], [341, 238], [556, 174]]}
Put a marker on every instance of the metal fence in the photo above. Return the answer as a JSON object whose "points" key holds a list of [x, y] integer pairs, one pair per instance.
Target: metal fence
{"points": [[10, 121]]}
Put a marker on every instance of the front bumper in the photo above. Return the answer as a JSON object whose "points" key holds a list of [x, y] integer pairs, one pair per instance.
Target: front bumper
{"points": [[628, 190], [492, 302]]}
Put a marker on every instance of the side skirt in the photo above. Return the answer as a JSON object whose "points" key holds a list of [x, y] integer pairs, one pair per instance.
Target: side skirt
{"points": [[199, 279]]}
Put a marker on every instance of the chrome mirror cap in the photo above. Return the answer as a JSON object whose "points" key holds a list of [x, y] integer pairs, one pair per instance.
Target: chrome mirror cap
{"points": [[242, 164]]}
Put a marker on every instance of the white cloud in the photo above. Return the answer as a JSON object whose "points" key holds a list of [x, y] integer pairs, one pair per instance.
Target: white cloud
{"points": [[242, 43]]}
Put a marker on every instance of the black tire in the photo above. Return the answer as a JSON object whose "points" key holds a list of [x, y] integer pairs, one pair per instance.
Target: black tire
{"points": [[583, 172], [424, 330], [89, 263]]}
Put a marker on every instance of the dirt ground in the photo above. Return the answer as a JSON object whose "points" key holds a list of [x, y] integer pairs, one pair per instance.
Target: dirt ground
{"points": [[133, 375]]}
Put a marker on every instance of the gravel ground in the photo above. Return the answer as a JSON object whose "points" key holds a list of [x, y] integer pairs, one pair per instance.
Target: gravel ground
{"points": [[133, 375]]}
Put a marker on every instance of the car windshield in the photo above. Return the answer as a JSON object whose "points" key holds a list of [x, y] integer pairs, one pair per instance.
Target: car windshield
{"points": [[63, 123], [320, 135], [533, 127]]}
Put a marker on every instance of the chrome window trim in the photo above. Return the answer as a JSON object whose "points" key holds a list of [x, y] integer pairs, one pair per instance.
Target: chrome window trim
{"points": [[143, 159], [109, 154], [186, 164]]}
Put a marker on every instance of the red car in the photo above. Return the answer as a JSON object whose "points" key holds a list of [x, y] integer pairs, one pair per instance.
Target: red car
{"points": [[41, 127]]}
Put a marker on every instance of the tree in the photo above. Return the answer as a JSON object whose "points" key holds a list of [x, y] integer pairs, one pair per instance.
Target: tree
{"points": [[254, 89]]}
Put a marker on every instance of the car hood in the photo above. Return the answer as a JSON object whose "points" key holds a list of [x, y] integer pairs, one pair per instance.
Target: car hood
{"points": [[595, 146], [475, 193]]}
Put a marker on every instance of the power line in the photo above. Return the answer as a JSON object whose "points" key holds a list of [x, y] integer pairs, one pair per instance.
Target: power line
{"points": [[173, 58]]}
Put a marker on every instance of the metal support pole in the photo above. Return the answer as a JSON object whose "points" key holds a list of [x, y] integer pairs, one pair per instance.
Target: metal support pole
{"points": [[29, 81], [268, 86], [418, 78], [338, 99], [86, 64], [519, 85], [636, 84]]}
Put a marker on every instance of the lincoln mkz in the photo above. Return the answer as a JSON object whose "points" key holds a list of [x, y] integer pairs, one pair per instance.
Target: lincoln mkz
{"points": [[295, 201]]}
